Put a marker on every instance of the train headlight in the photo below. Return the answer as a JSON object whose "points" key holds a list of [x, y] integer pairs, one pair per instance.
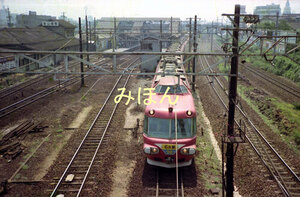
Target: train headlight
{"points": [[152, 112], [154, 150], [185, 151], [151, 150], [188, 151], [189, 113]]}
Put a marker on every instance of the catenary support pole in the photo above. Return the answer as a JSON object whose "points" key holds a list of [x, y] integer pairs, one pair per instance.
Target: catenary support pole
{"points": [[95, 36], [212, 36], [115, 45], [160, 41], [90, 25], [190, 43], [232, 101], [195, 50], [80, 49], [276, 29], [87, 37], [171, 28]]}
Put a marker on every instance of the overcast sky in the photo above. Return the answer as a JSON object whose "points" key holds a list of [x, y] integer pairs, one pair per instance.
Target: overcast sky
{"points": [[205, 9]]}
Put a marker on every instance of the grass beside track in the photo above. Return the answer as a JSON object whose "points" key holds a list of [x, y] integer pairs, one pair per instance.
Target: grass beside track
{"points": [[283, 118], [206, 159]]}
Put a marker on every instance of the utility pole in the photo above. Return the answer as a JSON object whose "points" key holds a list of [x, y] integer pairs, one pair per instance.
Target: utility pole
{"points": [[114, 46], [179, 27], [276, 29], [226, 38], [171, 28], [87, 37], [81, 56], [90, 25], [160, 42], [95, 37], [232, 101], [63, 16], [115, 33], [195, 50], [212, 36], [190, 43], [9, 24]]}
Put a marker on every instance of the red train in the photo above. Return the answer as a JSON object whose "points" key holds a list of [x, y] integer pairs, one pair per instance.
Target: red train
{"points": [[164, 118]]}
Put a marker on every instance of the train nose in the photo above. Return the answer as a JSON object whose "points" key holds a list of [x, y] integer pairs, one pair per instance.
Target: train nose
{"points": [[169, 159]]}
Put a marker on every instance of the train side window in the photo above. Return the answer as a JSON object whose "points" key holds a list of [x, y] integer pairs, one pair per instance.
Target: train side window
{"points": [[146, 125], [157, 89], [183, 89], [163, 88], [194, 126]]}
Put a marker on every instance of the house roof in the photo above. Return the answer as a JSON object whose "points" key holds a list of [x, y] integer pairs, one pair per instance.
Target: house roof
{"points": [[66, 24], [37, 38]]}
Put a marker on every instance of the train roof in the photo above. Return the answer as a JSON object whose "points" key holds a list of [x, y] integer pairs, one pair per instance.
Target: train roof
{"points": [[169, 80], [184, 103]]}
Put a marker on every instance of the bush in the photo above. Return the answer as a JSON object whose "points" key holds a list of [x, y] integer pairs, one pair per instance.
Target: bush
{"points": [[297, 138], [297, 106]]}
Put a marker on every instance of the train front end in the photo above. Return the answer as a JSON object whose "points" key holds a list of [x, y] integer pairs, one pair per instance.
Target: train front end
{"points": [[170, 130]]}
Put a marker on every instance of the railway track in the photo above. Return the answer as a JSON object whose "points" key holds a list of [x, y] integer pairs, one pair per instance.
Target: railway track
{"points": [[290, 90], [41, 94], [287, 180], [18, 88], [6, 92], [84, 158], [21, 86], [167, 185]]}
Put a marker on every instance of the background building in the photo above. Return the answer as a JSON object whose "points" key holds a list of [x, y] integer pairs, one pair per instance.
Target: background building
{"points": [[271, 9], [7, 19], [60, 27], [32, 19], [287, 8]]}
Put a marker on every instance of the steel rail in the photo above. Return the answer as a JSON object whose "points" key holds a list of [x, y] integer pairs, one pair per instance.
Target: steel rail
{"points": [[19, 87], [252, 145], [30, 82], [259, 133], [271, 80], [157, 183], [181, 185], [102, 137], [47, 92], [51, 90], [274, 82], [282, 187], [84, 139]]}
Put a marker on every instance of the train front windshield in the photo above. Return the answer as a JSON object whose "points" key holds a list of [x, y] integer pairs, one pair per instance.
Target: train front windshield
{"points": [[165, 128]]}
